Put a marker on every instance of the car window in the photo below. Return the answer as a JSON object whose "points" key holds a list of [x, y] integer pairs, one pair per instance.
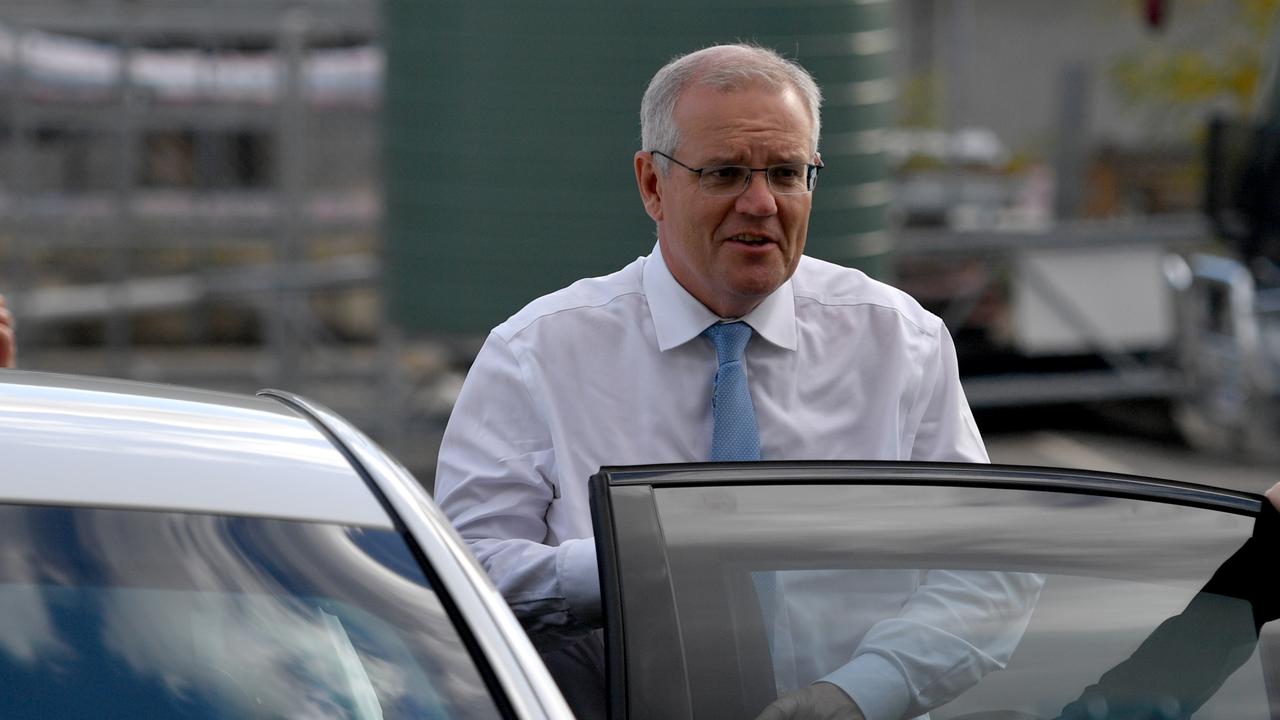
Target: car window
{"points": [[774, 586], [114, 613]]}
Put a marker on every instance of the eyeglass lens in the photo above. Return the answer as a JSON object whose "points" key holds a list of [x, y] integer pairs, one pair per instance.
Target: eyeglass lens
{"points": [[786, 179]]}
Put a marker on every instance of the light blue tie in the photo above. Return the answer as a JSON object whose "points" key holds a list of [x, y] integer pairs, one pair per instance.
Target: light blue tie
{"points": [[736, 436]]}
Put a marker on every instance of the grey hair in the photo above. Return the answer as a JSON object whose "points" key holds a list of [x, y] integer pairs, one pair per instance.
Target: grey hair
{"points": [[726, 68]]}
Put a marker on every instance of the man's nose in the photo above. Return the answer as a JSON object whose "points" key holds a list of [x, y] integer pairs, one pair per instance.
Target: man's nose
{"points": [[758, 198]]}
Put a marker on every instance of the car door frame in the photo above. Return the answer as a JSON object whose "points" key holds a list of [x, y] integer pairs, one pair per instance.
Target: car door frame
{"points": [[624, 514]]}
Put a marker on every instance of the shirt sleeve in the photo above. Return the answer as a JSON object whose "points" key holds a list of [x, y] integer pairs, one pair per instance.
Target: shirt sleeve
{"points": [[942, 428], [957, 626], [495, 480], [953, 630]]}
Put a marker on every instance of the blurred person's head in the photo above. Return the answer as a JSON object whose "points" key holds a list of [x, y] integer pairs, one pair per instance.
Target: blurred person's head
{"points": [[8, 343], [737, 105]]}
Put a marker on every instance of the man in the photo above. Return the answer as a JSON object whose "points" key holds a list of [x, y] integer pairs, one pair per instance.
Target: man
{"points": [[801, 359], [8, 344]]}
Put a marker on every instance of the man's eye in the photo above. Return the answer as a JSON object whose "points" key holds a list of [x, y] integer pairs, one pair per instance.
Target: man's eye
{"points": [[728, 172], [786, 172]]}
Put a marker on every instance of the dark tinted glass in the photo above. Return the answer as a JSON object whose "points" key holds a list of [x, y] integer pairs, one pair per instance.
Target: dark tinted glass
{"points": [[776, 586], [110, 613]]}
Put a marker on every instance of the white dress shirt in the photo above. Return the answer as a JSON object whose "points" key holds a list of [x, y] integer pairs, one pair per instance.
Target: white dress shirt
{"points": [[613, 371]]}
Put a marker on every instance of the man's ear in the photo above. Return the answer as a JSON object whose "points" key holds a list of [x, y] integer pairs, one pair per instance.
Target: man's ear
{"points": [[647, 181]]}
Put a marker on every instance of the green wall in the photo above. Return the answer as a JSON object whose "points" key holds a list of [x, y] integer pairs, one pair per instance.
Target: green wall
{"points": [[510, 130]]}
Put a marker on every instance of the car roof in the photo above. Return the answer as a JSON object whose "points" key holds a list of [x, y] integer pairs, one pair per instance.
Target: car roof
{"points": [[68, 440]]}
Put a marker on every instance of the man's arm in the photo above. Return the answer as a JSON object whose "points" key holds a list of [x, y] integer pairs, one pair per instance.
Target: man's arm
{"points": [[957, 626], [495, 480], [8, 343], [943, 428], [953, 630]]}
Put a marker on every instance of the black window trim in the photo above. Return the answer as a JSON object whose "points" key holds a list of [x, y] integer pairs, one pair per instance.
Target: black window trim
{"points": [[860, 472]]}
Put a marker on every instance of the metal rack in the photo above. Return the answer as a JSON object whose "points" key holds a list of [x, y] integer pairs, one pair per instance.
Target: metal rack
{"points": [[89, 240]]}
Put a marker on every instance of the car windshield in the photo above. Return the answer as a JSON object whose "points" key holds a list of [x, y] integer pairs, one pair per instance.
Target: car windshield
{"points": [[988, 601], [114, 613]]}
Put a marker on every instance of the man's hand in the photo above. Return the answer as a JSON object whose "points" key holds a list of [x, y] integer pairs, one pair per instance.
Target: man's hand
{"points": [[1274, 495], [8, 343], [819, 701]]}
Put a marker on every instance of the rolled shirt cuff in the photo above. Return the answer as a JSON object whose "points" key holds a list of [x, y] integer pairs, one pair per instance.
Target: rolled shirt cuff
{"points": [[875, 684], [580, 580]]}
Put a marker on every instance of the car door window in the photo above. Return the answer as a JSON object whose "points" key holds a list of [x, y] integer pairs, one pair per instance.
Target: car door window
{"points": [[976, 599], [113, 613]]}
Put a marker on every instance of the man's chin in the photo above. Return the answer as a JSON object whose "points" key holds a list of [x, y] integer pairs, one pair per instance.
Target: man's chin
{"points": [[752, 290]]}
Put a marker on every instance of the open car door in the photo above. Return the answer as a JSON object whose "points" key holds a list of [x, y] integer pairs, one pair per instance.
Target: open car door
{"points": [[960, 591]]}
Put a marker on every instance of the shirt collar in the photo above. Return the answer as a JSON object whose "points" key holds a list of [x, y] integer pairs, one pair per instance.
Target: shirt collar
{"points": [[678, 317]]}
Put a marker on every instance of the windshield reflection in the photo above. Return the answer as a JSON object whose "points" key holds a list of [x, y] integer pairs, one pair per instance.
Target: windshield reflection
{"points": [[221, 617]]}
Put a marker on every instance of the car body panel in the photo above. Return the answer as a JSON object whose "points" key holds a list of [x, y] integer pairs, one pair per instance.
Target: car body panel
{"points": [[112, 443]]}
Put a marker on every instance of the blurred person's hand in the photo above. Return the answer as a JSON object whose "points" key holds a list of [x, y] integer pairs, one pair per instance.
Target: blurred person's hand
{"points": [[1274, 495], [8, 342], [819, 701]]}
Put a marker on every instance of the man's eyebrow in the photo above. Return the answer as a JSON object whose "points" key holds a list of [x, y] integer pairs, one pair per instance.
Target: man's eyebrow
{"points": [[740, 157], [720, 161], [724, 160]]}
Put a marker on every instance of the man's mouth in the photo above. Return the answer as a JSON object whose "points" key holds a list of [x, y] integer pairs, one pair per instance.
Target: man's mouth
{"points": [[753, 240]]}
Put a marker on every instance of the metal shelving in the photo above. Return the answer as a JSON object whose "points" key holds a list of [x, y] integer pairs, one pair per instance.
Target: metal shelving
{"points": [[97, 237]]}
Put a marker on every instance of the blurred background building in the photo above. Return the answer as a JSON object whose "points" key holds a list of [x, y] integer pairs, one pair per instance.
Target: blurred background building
{"points": [[339, 197]]}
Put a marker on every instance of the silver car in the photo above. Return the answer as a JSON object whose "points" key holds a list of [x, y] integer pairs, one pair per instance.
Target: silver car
{"points": [[169, 552]]}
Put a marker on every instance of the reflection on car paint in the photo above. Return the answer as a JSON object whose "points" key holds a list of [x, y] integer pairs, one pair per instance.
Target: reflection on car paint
{"points": [[141, 613]]}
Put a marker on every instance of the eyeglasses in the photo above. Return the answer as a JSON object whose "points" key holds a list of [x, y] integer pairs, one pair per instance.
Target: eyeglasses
{"points": [[724, 180]]}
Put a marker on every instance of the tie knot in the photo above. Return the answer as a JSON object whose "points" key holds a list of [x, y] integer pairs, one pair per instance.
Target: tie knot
{"points": [[730, 340]]}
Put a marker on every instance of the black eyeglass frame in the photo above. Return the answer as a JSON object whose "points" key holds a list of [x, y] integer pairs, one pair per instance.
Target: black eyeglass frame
{"points": [[810, 176]]}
